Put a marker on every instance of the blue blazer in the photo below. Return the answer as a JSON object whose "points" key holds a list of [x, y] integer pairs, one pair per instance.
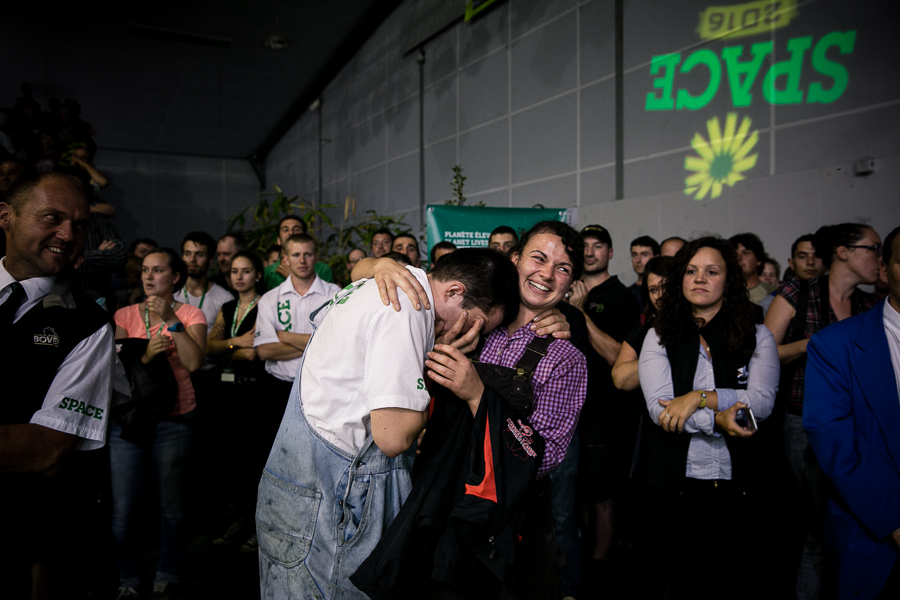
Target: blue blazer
{"points": [[851, 413]]}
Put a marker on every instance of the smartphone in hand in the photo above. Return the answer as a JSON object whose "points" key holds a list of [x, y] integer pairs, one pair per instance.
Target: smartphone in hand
{"points": [[744, 417]]}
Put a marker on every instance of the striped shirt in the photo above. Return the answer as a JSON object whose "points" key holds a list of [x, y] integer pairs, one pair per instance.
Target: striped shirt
{"points": [[560, 385]]}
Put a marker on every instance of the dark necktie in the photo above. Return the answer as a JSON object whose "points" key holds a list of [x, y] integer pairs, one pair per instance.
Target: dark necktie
{"points": [[13, 301]]}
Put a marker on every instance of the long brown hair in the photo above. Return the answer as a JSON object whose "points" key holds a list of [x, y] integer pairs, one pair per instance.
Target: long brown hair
{"points": [[675, 317]]}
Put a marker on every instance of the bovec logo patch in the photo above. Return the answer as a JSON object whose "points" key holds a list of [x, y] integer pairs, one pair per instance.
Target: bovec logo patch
{"points": [[48, 337]]}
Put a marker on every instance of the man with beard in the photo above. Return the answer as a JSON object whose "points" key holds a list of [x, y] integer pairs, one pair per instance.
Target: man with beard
{"points": [[199, 291]]}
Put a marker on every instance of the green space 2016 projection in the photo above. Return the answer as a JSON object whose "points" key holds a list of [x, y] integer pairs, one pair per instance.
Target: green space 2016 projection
{"points": [[723, 154]]}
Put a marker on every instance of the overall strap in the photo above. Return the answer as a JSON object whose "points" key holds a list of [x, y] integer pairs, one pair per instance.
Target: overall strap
{"points": [[534, 352]]}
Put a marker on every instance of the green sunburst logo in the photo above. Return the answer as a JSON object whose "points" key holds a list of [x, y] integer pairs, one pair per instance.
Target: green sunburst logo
{"points": [[722, 160]]}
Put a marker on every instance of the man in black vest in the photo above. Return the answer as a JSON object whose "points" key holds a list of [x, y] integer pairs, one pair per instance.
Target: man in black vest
{"points": [[60, 369]]}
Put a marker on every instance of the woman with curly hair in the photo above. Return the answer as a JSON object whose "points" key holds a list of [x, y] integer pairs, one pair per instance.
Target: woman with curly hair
{"points": [[705, 360]]}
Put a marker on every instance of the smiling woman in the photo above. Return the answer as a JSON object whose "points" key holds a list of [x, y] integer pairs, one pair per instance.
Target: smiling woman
{"points": [[550, 258]]}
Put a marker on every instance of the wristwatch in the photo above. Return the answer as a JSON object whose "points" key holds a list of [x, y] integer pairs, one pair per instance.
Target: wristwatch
{"points": [[702, 399], [177, 327]]}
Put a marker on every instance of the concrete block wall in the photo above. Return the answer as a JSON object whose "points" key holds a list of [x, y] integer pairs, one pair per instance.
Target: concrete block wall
{"points": [[164, 196], [524, 99]]}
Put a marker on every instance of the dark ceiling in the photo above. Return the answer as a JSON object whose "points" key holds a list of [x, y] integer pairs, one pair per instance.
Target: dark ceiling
{"points": [[183, 77]]}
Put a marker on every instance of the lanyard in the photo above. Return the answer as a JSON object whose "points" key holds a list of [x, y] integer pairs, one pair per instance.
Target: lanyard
{"points": [[147, 321], [235, 323], [187, 299]]}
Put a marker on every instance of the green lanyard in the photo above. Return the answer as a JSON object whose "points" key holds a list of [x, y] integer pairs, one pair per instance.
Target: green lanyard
{"points": [[235, 323], [147, 321], [187, 299]]}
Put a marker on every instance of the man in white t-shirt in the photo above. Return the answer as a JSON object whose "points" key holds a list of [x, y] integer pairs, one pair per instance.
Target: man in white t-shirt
{"points": [[196, 252], [343, 455]]}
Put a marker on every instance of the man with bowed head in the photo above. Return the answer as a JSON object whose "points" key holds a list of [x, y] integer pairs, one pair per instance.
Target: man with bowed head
{"points": [[341, 463]]}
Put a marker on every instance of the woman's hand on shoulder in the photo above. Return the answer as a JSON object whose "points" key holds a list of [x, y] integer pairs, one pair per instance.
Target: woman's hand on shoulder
{"points": [[552, 321]]}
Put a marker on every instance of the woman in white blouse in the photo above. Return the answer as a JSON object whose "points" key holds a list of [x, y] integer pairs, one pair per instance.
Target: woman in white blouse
{"points": [[704, 367]]}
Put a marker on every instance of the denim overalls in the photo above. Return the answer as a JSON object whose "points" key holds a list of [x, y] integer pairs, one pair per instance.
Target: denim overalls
{"points": [[320, 510]]}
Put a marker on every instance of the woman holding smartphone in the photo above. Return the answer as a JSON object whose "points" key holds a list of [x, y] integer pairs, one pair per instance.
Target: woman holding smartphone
{"points": [[705, 360]]}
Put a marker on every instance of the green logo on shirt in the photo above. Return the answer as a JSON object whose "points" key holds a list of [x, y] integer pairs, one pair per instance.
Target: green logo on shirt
{"points": [[80, 407], [349, 291], [420, 384], [597, 307], [284, 314]]}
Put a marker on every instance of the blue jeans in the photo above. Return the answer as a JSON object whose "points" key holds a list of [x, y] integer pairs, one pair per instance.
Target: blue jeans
{"points": [[795, 443], [321, 511], [812, 559], [130, 462], [564, 524]]}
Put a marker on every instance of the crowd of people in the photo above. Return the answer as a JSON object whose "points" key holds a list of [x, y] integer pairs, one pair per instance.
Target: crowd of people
{"points": [[514, 421]]}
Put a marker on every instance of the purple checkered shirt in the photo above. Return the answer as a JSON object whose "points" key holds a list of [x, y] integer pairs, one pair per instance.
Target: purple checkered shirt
{"points": [[560, 385]]}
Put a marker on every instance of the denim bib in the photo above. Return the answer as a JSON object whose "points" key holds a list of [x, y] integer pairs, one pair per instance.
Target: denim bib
{"points": [[321, 510]]}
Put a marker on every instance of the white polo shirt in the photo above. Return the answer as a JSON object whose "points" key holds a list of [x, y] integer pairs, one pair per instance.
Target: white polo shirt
{"points": [[366, 356], [283, 309], [91, 372], [891, 320]]}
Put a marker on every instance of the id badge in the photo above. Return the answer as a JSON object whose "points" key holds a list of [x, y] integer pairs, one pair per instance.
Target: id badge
{"points": [[228, 375]]}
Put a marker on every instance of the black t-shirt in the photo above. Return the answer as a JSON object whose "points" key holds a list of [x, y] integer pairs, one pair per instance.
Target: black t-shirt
{"points": [[241, 368], [614, 311], [635, 290], [577, 326], [635, 337]]}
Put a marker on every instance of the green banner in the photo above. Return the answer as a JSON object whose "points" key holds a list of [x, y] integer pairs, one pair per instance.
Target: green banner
{"points": [[471, 226]]}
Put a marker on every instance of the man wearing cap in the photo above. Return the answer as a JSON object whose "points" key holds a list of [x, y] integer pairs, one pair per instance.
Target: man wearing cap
{"points": [[611, 313]]}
